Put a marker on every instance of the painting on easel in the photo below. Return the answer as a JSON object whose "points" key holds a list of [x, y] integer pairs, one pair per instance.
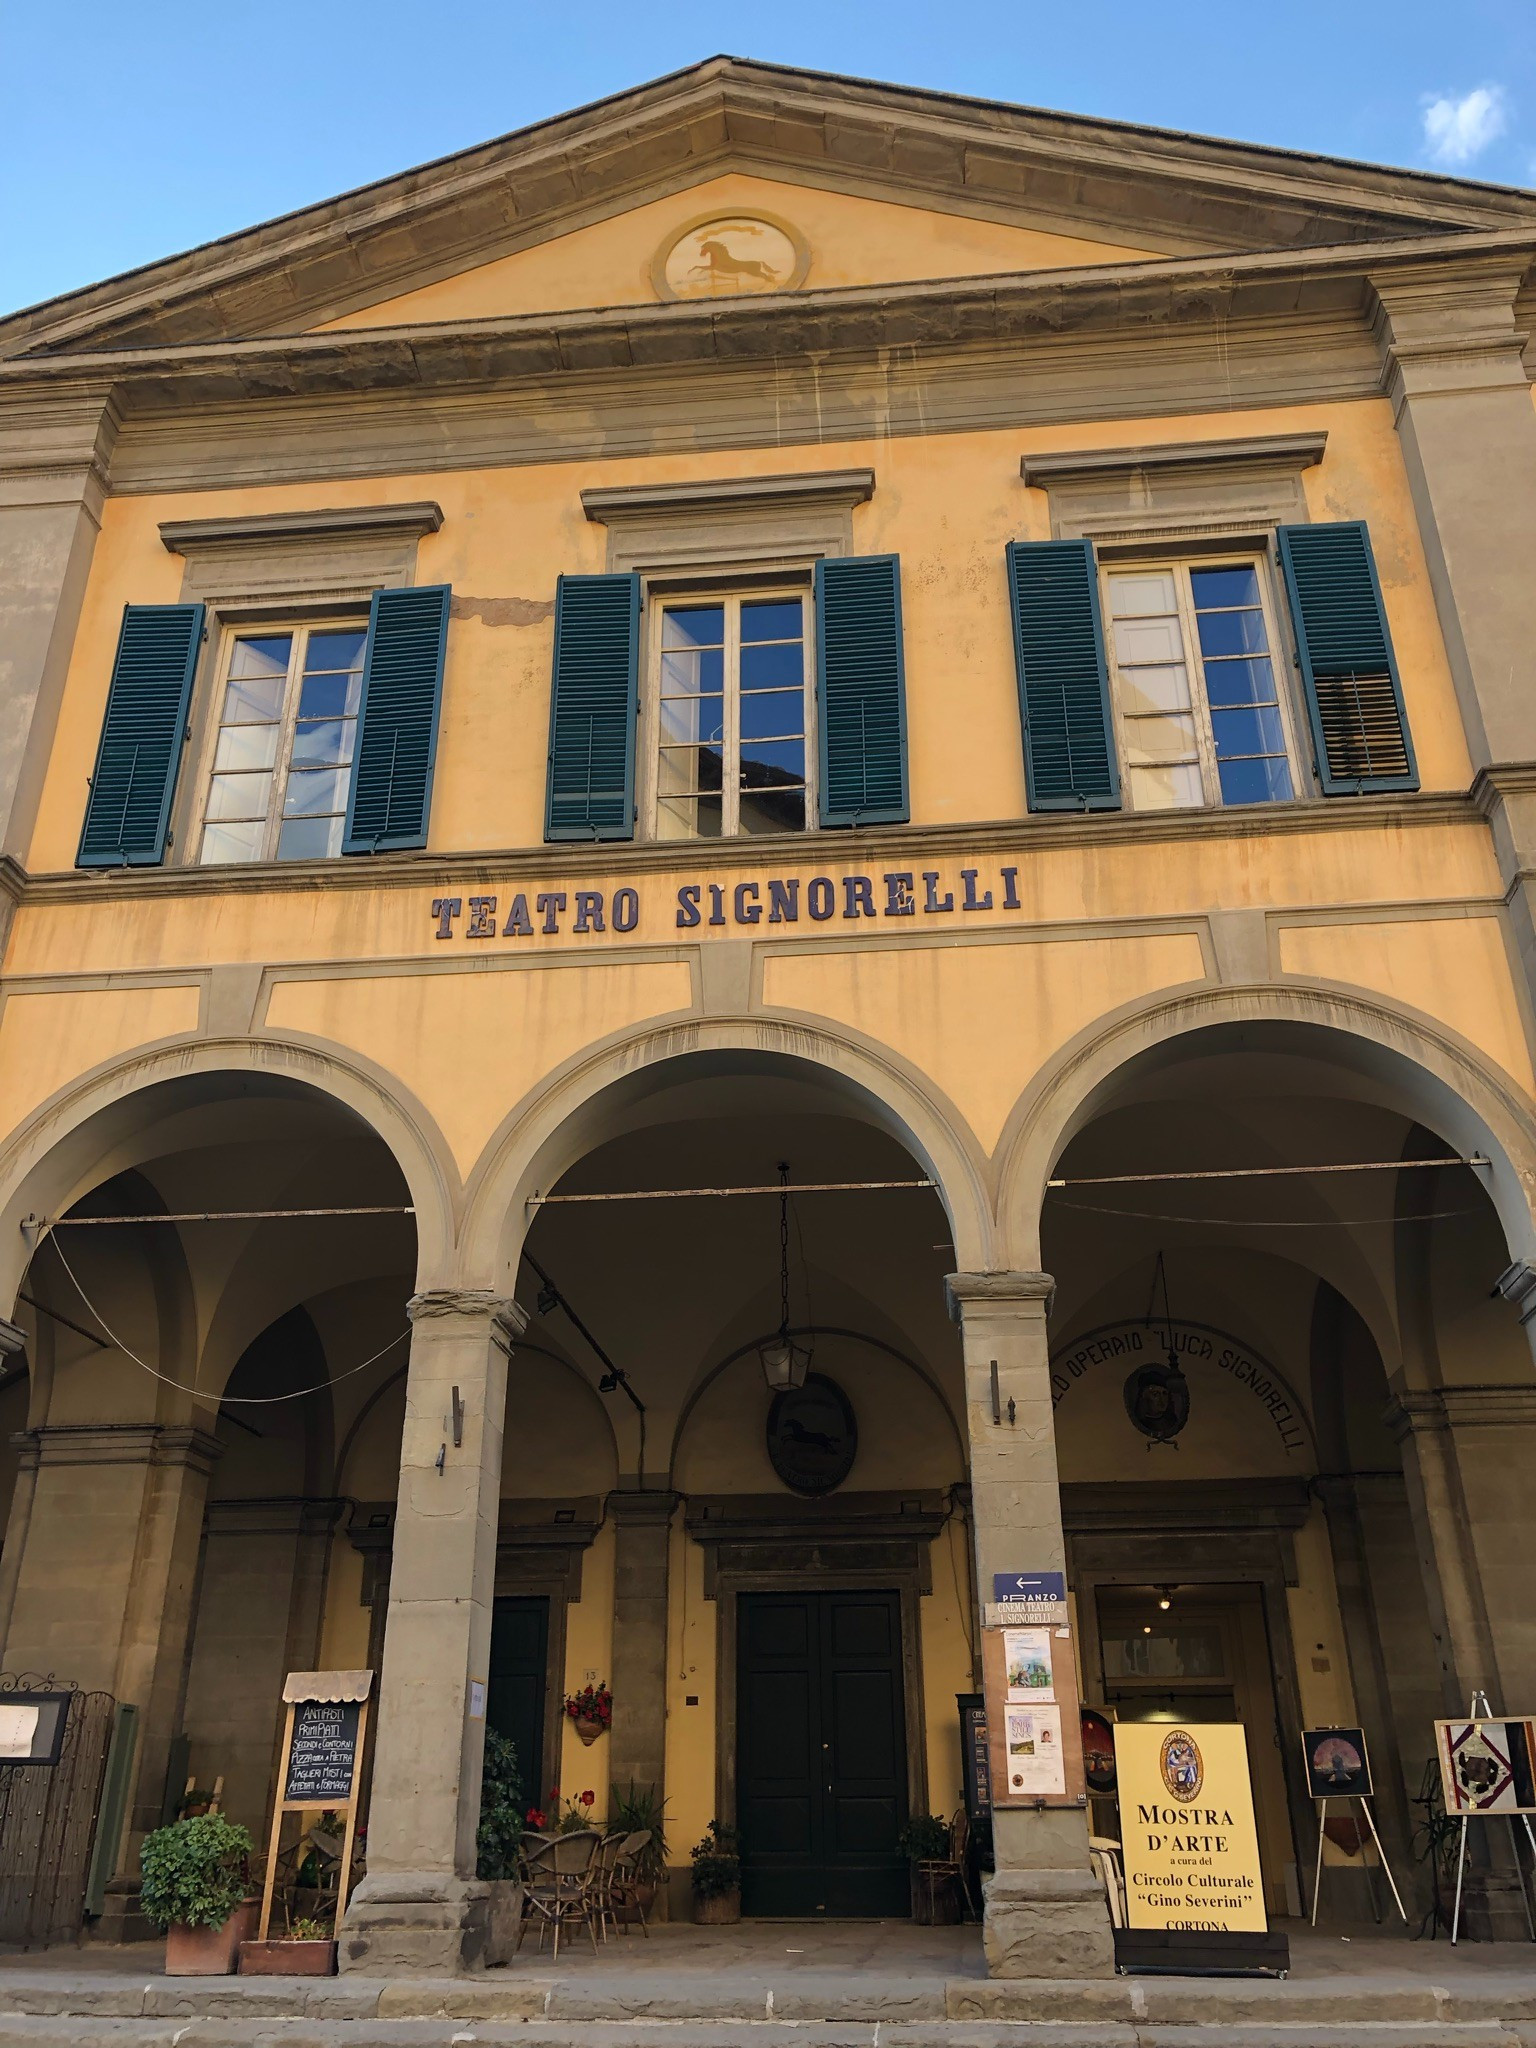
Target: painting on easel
{"points": [[1487, 1766]]}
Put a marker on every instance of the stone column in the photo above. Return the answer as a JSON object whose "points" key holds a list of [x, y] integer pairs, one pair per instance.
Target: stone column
{"points": [[421, 1910], [637, 1745], [54, 453], [1046, 1914], [1453, 367], [104, 1588]]}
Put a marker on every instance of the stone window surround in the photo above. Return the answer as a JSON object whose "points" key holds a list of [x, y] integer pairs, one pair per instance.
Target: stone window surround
{"points": [[771, 523], [271, 566], [1223, 491]]}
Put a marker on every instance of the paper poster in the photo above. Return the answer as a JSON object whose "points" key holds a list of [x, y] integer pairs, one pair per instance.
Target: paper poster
{"points": [[1487, 1766], [1033, 1743], [1027, 1658], [18, 1731], [1186, 1825]]}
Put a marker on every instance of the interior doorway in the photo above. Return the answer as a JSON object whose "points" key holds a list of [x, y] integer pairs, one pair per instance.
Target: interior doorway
{"points": [[1201, 1653], [821, 1755], [518, 1683]]}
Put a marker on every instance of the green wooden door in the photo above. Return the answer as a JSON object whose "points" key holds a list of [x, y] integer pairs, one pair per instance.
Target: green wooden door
{"points": [[821, 1755], [518, 1684]]}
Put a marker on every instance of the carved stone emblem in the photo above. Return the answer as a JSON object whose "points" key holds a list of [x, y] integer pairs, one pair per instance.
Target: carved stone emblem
{"points": [[728, 255]]}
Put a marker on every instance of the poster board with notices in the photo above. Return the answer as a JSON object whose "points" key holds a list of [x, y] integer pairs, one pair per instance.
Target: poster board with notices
{"points": [[1187, 1831], [1034, 1736]]}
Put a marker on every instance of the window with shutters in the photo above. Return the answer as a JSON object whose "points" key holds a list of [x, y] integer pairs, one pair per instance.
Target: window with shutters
{"points": [[730, 711], [1200, 711], [281, 755]]}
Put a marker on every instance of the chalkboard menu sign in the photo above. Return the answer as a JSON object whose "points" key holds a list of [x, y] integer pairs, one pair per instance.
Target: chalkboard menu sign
{"points": [[322, 1753]]}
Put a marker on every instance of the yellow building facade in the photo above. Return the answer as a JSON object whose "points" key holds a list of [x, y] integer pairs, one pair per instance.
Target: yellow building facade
{"points": [[972, 660]]}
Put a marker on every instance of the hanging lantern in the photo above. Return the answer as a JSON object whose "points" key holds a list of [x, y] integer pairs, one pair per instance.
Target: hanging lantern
{"points": [[785, 1363]]}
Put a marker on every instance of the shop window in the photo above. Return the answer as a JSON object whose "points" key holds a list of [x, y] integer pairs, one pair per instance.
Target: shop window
{"points": [[1201, 715], [734, 744], [282, 754]]}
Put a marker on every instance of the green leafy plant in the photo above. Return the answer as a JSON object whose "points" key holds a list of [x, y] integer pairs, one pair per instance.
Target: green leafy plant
{"points": [[639, 1811], [309, 1930], [574, 1816], [195, 1872], [501, 1809], [717, 1862], [924, 1838]]}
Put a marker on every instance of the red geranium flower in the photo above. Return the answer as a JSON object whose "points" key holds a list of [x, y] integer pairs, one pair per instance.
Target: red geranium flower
{"points": [[587, 1798]]}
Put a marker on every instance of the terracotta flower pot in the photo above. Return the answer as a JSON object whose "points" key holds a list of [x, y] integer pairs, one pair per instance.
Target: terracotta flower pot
{"points": [[589, 1731], [287, 1959], [724, 1910], [209, 1951]]}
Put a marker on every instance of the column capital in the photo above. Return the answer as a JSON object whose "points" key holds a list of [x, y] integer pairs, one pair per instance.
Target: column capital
{"points": [[1449, 327], [643, 1506], [505, 1318], [118, 1443], [1418, 1410], [1517, 1284], [999, 1290], [12, 1339]]}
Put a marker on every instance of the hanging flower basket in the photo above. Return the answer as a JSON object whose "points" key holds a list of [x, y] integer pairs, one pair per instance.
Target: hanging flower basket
{"points": [[591, 1710]]}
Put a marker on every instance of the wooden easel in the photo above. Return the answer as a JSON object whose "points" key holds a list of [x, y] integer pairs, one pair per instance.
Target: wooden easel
{"points": [[305, 1688], [1364, 1804], [1478, 1709]]}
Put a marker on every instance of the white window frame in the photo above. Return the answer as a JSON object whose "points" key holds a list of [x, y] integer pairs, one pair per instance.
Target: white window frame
{"points": [[731, 595], [1179, 563], [300, 628]]}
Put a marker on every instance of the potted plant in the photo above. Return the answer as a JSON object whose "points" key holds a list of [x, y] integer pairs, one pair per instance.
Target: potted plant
{"points": [[924, 1841], [195, 1882], [639, 1812], [497, 1840], [308, 1949], [592, 1711], [717, 1877]]}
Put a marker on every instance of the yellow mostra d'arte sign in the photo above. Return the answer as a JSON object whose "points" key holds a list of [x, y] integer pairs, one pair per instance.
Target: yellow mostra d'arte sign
{"points": [[1187, 1833]]}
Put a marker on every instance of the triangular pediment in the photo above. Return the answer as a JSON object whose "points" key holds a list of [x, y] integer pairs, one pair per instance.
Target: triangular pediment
{"points": [[820, 182]]}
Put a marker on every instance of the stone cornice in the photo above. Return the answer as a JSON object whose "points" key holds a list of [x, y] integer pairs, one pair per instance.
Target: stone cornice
{"points": [[1151, 187], [182, 536], [605, 505], [1289, 451], [896, 845], [1436, 1408], [118, 1443]]}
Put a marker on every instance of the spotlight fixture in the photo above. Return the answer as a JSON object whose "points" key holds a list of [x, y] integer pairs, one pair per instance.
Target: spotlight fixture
{"points": [[1165, 1599]]}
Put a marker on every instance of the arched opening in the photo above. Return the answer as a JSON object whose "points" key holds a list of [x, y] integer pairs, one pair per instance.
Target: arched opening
{"points": [[808, 1547], [1257, 1361]]}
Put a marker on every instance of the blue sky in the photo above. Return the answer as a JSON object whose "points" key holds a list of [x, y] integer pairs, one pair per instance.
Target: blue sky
{"points": [[128, 134]]}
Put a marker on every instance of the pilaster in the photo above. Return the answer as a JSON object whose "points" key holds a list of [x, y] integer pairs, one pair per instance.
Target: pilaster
{"points": [[637, 1743]]}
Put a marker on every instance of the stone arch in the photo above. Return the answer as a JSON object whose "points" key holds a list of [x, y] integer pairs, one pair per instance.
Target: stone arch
{"points": [[566, 1117], [1408, 1058], [57, 1152]]}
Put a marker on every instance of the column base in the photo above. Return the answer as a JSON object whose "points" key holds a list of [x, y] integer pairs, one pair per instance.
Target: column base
{"points": [[1491, 1908], [1047, 1923], [409, 1924]]}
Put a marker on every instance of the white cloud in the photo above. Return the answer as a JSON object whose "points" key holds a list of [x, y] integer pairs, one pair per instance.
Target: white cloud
{"points": [[1456, 130]]}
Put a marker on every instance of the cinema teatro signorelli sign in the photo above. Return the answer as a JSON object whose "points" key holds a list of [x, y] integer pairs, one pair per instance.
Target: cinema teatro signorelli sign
{"points": [[778, 900]]}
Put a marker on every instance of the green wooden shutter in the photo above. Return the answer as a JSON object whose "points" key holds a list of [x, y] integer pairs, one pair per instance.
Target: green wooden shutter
{"points": [[128, 812], [1058, 645], [861, 691], [391, 793], [1349, 673], [594, 704]]}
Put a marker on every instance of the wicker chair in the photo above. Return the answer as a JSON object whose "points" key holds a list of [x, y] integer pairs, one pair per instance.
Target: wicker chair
{"points": [[622, 1892], [560, 1885], [936, 1874]]}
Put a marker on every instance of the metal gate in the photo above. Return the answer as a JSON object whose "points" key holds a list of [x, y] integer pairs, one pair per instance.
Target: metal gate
{"points": [[48, 1819]]}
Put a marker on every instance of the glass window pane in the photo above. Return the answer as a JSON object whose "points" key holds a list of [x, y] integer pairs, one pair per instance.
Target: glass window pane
{"points": [[693, 625], [1154, 689], [1232, 633], [1256, 730], [773, 668], [1175, 787], [690, 672], [1236, 585], [772, 714], [698, 719], [1145, 591], [1192, 1651], [239, 796], [313, 790], [767, 763], [246, 746], [264, 654], [321, 741], [689, 817], [1161, 739], [1240, 682], [684, 768], [341, 649], [253, 702], [231, 842], [310, 838], [1156, 640], [774, 618], [773, 810], [1265, 781], [328, 696]]}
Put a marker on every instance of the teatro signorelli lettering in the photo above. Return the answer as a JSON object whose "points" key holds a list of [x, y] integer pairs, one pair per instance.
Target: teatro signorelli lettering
{"points": [[778, 900]]}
